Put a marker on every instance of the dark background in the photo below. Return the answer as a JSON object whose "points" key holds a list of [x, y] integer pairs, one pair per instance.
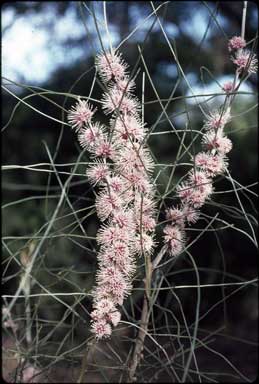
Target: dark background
{"points": [[68, 263]]}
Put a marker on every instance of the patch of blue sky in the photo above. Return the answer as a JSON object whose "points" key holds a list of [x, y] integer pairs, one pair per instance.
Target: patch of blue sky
{"points": [[169, 70], [201, 24], [171, 29], [144, 28], [31, 52], [69, 26], [19, 60]]}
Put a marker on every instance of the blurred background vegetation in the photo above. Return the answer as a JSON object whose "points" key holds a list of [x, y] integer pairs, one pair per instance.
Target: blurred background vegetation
{"points": [[52, 45]]}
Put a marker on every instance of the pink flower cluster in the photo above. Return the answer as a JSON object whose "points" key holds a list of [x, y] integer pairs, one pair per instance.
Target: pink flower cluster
{"points": [[197, 188], [236, 42], [228, 87], [244, 59], [125, 202]]}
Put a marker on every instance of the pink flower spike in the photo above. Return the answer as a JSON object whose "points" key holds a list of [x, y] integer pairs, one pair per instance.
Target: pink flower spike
{"points": [[237, 42], [80, 114]]}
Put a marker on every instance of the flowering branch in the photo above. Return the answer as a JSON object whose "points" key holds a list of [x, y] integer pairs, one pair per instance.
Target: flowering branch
{"points": [[125, 202]]}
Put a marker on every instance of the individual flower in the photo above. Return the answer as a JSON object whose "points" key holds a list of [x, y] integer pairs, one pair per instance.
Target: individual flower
{"points": [[98, 172], [190, 213], [198, 179], [80, 114], [106, 203], [120, 255], [113, 285], [196, 191], [124, 219], [103, 148], [133, 157], [144, 205], [212, 164], [217, 141], [116, 100], [176, 216], [128, 126], [111, 66], [228, 87], [184, 191], [147, 223], [144, 243], [194, 196], [174, 237], [125, 84], [245, 61], [89, 136], [217, 120], [236, 42], [139, 181], [199, 196], [101, 329], [104, 306], [112, 234], [114, 252], [114, 318]]}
